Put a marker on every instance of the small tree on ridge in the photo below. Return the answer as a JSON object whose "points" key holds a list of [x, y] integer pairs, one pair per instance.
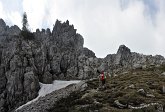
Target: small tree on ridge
{"points": [[24, 22], [25, 31]]}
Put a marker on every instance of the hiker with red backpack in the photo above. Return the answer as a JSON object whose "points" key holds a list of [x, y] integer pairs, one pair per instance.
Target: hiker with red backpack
{"points": [[103, 78]]}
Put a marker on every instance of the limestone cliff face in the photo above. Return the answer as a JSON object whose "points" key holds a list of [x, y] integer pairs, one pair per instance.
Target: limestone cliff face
{"points": [[57, 54], [50, 55]]}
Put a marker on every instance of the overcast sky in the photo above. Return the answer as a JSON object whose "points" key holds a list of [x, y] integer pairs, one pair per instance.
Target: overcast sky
{"points": [[104, 24]]}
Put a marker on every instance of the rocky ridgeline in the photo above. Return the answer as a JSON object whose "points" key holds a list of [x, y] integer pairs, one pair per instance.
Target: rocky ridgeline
{"points": [[50, 55], [125, 59], [56, 54]]}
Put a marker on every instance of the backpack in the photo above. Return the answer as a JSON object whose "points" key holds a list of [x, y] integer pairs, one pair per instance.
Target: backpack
{"points": [[102, 77]]}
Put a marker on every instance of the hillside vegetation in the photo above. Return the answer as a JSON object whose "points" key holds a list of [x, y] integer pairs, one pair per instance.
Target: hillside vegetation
{"points": [[139, 90]]}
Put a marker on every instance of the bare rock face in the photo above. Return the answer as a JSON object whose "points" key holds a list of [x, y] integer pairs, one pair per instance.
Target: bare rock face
{"points": [[123, 55], [88, 53], [31, 85], [2, 26], [125, 59], [50, 55], [63, 51], [13, 30]]}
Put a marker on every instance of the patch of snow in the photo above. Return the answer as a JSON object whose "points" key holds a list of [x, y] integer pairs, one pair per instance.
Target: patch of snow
{"points": [[48, 88]]}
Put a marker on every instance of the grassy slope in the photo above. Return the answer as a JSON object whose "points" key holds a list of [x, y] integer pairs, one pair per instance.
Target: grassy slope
{"points": [[117, 88]]}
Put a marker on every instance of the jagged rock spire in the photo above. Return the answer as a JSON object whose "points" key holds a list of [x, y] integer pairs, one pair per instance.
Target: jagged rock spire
{"points": [[123, 50], [2, 23], [2, 26]]}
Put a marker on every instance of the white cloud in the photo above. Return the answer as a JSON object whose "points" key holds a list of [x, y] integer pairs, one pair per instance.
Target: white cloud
{"points": [[105, 27], [104, 24], [2, 15], [35, 10], [10, 12], [15, 18], [159, 29]]}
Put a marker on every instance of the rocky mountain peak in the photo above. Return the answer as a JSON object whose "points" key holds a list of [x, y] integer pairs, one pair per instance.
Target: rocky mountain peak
{"points": [[8, 31], [123, 55], [2, 26], [66, 37], [2, 23], [60, 28], [13, 30], [123, 50]]}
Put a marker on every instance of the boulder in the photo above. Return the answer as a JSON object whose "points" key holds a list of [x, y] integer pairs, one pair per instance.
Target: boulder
{"points": [[163, 74], [150, 95], [119, 105], [137, 66], [142, 92], [163, 89], [132, 86]]}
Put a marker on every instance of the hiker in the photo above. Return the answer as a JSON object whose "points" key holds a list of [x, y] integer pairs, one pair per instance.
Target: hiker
{"points": [[103, 78]]}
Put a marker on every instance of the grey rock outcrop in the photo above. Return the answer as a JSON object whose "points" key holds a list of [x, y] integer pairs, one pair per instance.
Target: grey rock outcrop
{"points": [[156, 107], [119, 105], [125, 59], [2, 26], [163, 74], [163, 89], [31, 85], [50, 55], [123, 56]]}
